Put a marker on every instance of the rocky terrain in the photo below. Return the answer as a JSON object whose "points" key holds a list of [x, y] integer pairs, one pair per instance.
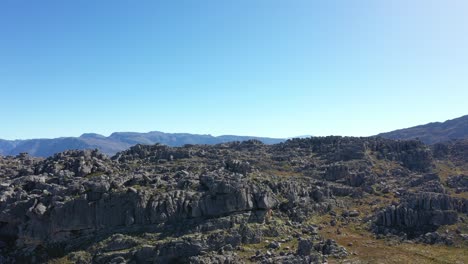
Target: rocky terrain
{"points": [[435, 132], [313, 200], [114, 143]]}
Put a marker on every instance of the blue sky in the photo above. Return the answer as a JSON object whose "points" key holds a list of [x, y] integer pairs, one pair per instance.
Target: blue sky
{"points": [[266, 68]]}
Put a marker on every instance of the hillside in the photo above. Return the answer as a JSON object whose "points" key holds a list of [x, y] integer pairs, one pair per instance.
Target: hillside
{"points": [[115, 142], [433, 132], [313, 200]]}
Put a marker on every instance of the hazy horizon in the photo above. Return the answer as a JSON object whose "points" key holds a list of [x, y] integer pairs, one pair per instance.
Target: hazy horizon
{"points": [[257, 68], [217, 135]]}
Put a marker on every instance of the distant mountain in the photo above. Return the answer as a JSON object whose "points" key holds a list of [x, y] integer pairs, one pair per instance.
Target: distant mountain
{"points": [[116, 142], [433, 132]]}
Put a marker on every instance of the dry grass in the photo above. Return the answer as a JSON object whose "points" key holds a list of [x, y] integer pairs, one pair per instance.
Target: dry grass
{"points": [[63, 260], [367, 249], [445, 169]]}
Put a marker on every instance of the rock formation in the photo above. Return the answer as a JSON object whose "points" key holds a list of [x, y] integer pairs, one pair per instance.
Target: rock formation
{"points": [[228, 203]]}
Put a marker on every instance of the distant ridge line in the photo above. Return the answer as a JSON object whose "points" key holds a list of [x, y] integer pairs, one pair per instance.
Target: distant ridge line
{"points": [[115, 142]]}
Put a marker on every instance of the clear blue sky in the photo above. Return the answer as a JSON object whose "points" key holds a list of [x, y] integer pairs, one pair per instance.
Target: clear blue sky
{"points": [[246, 67]]}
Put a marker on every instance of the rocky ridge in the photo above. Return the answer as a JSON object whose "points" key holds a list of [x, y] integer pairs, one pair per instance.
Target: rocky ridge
{"points": [[432, 133], [227, 203]]}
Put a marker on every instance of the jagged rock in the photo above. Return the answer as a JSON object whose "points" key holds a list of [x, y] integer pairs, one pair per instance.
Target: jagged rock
{"points": [[353, 213], [78, 162], [250, 235], [424, 179], [460, 182], [421, 213], [305, 247], [274, 245], [336, 171], [455, 150], [435, 238], [238, 166], [413, 154], [330, 247], [153, 153]]}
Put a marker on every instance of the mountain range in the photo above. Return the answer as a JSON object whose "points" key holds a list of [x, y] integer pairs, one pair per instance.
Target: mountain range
{"points": [[429, 133], [435, 132], [115, 142]]}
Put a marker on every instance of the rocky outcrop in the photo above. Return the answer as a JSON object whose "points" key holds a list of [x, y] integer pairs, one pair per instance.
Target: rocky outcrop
{"points": [[20, 165], [332, 148], [152, 153], [412, 154], [427, 183], [349, 174], [44, 220], [420, 213], [459, 182], [455, 150], [435, 238], [238, 166], [77, 163]]}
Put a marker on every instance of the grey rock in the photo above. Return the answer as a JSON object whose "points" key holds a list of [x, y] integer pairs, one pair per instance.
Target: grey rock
{"points": [[305, 247], [421, 213]]}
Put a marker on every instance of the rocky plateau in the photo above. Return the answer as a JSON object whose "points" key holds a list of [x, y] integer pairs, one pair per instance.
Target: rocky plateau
{"points": [[310, 200]]}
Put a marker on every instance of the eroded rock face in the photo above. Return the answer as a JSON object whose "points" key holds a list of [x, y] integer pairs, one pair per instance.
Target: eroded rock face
{"points": [[455, 150], [420, 213], [238, 166], [51, 221], [413, 154]]}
